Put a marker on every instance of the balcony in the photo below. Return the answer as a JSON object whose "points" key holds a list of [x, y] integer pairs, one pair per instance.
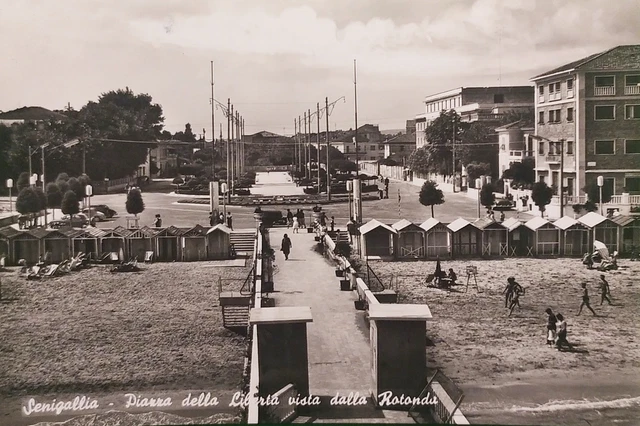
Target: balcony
{"points": [[569, 93], [555, 96], [520, 154], [632, 90], [604, 91], [540, 99], [553, 159]]}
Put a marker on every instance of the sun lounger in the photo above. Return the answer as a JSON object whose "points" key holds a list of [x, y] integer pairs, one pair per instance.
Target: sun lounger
{"points": [[51, 270]]}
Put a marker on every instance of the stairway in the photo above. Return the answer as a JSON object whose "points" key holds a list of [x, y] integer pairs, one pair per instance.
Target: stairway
{"points": [[235, 317], [243, 241], [344, 236]]}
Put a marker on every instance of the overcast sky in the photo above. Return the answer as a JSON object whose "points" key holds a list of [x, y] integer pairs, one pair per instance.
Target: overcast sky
{"points": [[277, 58]]}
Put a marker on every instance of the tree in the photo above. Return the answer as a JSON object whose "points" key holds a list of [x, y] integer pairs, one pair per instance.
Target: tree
{"points": [[541, 194], [344, 166], [475, 170], [188, 133], [420, 161], [487, 196], [76, 186], [42, 198], [70, 203], [23, 181], [28, 201], [54, 196], [593, 193], [476, 146], [440, 135], [521, 174], [430, 195], [388, 162], [134, 203]]}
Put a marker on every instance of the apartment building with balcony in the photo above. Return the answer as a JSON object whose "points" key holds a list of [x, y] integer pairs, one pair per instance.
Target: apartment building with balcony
{"points": [[593, 104], [514, 145], [370, 144]]}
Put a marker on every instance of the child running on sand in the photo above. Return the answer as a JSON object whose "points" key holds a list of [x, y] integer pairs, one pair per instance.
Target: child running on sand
{"points": [[605, 291], [585, 300], [515, 300]]}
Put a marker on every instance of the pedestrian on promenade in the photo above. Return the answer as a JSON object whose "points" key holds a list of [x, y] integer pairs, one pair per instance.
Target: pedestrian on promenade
{"points": [[605, 291], [551, 327], [158, 223], [229, 221], [296, 224], [212, 219], [301, 220], [285, 247], [333, 223], [562, 333], [221, 218], [585, 300], [289, 218]]}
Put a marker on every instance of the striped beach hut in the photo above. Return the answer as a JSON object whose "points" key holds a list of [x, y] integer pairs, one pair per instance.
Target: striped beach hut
{"points": [[466, 238], [27, 245], [58, 246], [437, 238], [194, 244], [377, 239], [140, 241], [574, 237], [410, 240], [168, 244], [546, 236], [218, 242], [521, 238], [7, 234], [602, 229], [629, 233], [85, 240], [495, 237], [113, 241]]}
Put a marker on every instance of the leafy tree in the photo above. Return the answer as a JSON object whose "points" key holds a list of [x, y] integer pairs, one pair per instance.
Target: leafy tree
{"points": [[5, 149], [70, 203], [590, 206], [54, 196], [344, 166], [439, 135], [63, 186], [541, 194], [475, 170], [76, 186], [522, 174], [487, 196], [63, 177], [525, 117], [430, 195], [593, 193], [388, 162], [188, 133], [178, 181], [84, 180], [42, 197], [334, 154], [474, 147], [134, 203], [28, 201], [23, 181], [420, 161]]}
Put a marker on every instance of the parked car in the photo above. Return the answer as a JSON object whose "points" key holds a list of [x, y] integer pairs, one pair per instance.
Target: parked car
{"points": [[79, 220], [103, 208], [273, 217], [95, 215], [504, 205]]}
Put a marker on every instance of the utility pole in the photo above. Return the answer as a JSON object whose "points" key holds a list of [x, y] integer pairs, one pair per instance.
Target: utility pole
{"points": [[237, 172], [561, 186], [42, 175], [300, 144], [326, 106], [306, 171], [318, 143], [233, 149], [84, 158], [228, 145], [355, 105], [30, 171], [309, 143], [294, 161], [242, 150], [453, 151], [213, 129]]}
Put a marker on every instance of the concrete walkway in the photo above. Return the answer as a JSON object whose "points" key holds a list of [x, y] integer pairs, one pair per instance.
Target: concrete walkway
{"points": [[338, 337]]}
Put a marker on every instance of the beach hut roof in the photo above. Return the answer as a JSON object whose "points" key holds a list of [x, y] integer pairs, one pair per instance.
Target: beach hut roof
{"points": [[536, 223], [56, 233], [144, 232], [9, 232], [220, 227], [483, 223], [591, 219], [402, 224], [429, 223], [373, 224], [40, 233], [623, 220], [171, 231], [458, 224], [512, 223], [565, 222], [196, 231], [118, 232]]}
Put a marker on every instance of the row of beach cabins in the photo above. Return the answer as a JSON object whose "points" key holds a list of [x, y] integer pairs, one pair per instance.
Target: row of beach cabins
{"points": [[166, 244], [485, 237]]}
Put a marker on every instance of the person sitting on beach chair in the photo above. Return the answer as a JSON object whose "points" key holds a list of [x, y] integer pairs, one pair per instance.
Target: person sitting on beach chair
{"points": [[452, 277]]}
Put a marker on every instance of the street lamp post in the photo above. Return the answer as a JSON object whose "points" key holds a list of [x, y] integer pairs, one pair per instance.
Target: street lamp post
{"points": [[10, 185], [600, 185], [223, 187], [478, 184], [88, 190]]}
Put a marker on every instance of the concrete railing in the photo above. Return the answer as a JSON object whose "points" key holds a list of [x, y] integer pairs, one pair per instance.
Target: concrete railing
{"points": [[253, 409]]}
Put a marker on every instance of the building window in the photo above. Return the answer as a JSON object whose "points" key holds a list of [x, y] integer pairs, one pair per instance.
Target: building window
{"points": [[604, 85], [570, 115], [632, 84], [541, 90], [401, 148], [554, 116], [498, 99], [632, 112], [542, 178], [632, 184], [554, 92], [372, 148], [570, 88], [541, 147], [373, 158], [347, 150], [541, 117], [570, 186], [570, 147], [610, 183], [605, 112], [604, 147], [632, 146]]}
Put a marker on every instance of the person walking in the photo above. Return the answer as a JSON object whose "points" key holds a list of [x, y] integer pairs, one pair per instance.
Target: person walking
{"points": [[229, 221], [333, 223], [296, 224], [509, 290], [212, 219], [605, 291], [551, 327], [301, 221], [158, 223], [221, 218], [562, 333], [515, 300], [585, 300], [289, 218], [285, 247]]}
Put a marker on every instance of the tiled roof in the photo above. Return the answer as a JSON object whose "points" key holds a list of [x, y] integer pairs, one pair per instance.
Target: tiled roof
{"points": [[170, 231], [373, 224], [483, 223], [403, 224], [404, 138], [196, 231], [40, 232], [622, 220]]}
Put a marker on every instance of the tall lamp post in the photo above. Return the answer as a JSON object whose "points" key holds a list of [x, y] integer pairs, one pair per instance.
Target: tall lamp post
{"points": [[600, 185], [10, 185], [88, 191], [224, 189]]}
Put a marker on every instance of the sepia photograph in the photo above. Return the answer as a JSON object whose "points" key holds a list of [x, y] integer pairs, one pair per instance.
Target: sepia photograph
{"points": [[319, 211]]}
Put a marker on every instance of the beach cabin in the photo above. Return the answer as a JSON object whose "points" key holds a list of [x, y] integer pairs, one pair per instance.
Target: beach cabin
{"points": [[58, 245], [168, 244], [494, 237], [437, 238], [546, 236], [7, 235], [521, 238], [629, 233], [113, 241], [140, 241], [194, 244], [85, 240], [602, 229], [574, 237], [218, 242], [410, 240], [377, 240], [26, 246], [466, 238]]}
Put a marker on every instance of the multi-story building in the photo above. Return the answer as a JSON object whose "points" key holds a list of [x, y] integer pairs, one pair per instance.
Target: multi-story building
{"points": [[400, 147], [514, 145], [593, 105], [487, 104], [370, 144]]}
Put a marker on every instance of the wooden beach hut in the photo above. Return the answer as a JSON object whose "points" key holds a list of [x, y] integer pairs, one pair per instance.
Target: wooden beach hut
{"points": [[218, 242], [140, 241], [58, 245], [377, 240], [410, 240], [26, 245], [86, 240], [602, 229], [466, 238], [574, 237], [546, 236], [437, 238], [7, 234], [194, 244], [494, 237], [168, 244], [521, 238], [113, 241], [629, 233]]}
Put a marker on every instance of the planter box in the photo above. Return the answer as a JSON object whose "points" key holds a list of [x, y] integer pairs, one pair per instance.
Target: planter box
{"points": [[339, 273], [268, 303], [386, 296], [345, 285], [316, 238], [309, 230], [360, 305]]}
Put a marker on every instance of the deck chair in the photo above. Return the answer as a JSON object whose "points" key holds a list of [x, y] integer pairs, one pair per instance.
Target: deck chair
{"points": [[148, 257], [114, 256], [51, 270]]}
